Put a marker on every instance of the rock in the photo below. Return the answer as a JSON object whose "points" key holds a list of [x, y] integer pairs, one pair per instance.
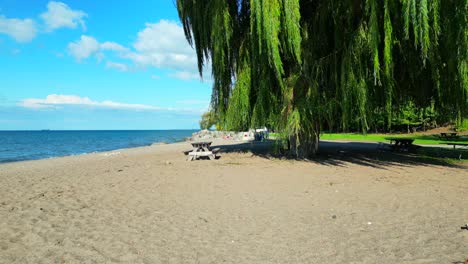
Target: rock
{"points": [[230, 135]]}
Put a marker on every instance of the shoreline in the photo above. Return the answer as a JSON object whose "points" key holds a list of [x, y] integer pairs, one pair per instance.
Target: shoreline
{"points": [[119, 150], [216, 141], [96, 152], [17, 146]]}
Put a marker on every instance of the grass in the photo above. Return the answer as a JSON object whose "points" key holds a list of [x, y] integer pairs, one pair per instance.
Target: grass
{"points": [[419, 139], [446, 154]]}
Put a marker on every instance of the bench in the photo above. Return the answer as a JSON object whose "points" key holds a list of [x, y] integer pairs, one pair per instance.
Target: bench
{"points": [[215, 151]]}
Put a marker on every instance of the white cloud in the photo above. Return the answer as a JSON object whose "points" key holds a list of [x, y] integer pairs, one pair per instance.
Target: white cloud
{"points": [[56, 100], [118, 66], [60, 15], [88, 46], [84, 48], [53, 101], [163, 45], [22, 30], [160, 45], [112, 46]]}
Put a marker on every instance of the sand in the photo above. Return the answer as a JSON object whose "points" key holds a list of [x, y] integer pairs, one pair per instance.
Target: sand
{"points": [[149, 205]]}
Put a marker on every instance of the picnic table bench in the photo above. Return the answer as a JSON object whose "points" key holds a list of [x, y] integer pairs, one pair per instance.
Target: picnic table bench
{"points": [[201, 149], [400, 143]]}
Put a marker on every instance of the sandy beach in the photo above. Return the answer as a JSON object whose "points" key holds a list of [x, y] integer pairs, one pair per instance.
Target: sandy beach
{"points": [[149, 205]]}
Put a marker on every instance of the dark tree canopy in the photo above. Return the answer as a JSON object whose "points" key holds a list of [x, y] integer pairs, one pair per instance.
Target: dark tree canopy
{"points": [[296, 64]]}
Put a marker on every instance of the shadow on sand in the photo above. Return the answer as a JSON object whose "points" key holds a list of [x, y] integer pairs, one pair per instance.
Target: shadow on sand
{"points": [[377, 155]]}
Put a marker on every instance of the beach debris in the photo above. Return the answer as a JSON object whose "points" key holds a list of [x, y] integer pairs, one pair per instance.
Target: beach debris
{"points": [[465, 227], [334, 216], [37, 196], [168, 162], [201, 218], [120, 170], [369, 223]]}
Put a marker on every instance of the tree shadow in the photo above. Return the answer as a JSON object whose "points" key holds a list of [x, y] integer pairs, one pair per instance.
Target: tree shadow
{"points": [[370, 154], [437, 137]]}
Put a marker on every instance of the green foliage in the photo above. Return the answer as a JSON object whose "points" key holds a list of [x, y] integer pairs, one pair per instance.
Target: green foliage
{"points": [[208, 120], [238, 113], [297, 65], [463, 126], [407, 115]]}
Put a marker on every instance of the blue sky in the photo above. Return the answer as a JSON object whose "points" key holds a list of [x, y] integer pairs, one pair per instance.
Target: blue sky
{"points": [[97, 65]]}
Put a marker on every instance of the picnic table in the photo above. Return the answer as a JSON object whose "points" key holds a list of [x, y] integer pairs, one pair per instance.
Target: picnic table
{"points": [[448, 136], [401, 143], [201, 149]]}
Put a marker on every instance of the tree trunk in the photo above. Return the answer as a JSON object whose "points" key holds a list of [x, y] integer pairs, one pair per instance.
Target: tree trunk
{"points": [[306, 145]]}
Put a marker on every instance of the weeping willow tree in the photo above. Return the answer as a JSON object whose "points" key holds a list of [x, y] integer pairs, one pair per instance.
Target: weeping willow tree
{"points": [[296, 64]]}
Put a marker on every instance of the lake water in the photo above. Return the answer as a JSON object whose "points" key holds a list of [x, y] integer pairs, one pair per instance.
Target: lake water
{"points": [[32, 145]]}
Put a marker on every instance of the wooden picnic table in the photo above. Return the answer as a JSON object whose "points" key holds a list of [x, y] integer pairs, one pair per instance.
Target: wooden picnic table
{"points": [[448, 136], [201, 149], [401, 143], [205, 145]]}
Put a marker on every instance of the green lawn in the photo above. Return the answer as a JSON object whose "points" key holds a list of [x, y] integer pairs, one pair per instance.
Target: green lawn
{"points": [[446, 154], [419, 139]]}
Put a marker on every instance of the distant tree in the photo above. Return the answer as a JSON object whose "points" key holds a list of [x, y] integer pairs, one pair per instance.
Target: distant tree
{"points": [[408, 116], [293, 65], [208, 120]]}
